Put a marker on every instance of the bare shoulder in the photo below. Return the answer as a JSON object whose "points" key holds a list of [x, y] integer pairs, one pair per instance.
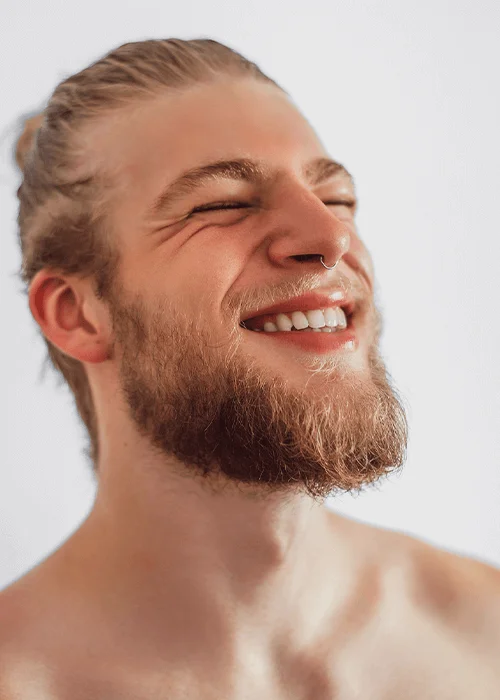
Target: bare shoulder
{"points": [[467, 575], [464, 592], [459, 593], [16, 601], [24, 671], [433, 629], [13, 671], [51, 650]]}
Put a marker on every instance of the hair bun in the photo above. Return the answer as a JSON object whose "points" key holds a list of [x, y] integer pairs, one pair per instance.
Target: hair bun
{"points": [[25, 141]]}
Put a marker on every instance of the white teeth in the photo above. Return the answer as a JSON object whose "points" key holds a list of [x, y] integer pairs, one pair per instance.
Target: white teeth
{"points": [[299, 320], [331, 318], [316, 318], [326, 320], [283, 322], [270, 327], [342, 319]]}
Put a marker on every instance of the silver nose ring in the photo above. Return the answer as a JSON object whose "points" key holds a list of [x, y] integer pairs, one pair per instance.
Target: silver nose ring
{"points": [[328, 268]]}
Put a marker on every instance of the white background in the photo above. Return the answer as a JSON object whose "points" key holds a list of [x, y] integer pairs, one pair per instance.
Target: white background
{"points": [[405, 94]]}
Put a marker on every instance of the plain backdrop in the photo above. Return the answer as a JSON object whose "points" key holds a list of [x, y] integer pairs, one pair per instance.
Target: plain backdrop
{"points": [[405, 94]]}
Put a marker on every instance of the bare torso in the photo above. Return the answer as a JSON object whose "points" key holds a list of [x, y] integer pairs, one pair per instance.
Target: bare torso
{"points": [[420, 625]]}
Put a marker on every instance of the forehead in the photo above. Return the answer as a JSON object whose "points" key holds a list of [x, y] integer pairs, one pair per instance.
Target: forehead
{"points": [[143, 146]]}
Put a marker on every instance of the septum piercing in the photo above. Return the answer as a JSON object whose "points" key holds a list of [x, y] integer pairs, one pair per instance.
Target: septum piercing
{"points": [[328, 268]]}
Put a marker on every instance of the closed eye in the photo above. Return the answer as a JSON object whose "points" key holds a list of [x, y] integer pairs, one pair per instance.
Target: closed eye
{"points": [[220, 205], [216, 206], [350, 203]]}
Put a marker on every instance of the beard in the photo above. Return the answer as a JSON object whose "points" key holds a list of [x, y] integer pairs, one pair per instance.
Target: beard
{"points": [[224, 417]]}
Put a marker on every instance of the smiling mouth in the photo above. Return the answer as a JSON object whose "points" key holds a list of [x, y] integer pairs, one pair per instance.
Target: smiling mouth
{"points": [[340, 335], [328, 320]]}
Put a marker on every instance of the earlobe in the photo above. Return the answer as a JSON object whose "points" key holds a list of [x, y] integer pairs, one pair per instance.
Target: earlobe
{"points": [[57, 306], [92, 352]]}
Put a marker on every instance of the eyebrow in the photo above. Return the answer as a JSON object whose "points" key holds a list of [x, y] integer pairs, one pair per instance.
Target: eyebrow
{"points": [[315, 173]]}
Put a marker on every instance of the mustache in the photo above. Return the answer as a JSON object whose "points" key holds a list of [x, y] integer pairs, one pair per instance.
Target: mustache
{"points": [[270, 294]]}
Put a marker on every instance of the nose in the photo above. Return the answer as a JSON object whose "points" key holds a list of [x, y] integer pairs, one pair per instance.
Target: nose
{"points": [[305, 229]]}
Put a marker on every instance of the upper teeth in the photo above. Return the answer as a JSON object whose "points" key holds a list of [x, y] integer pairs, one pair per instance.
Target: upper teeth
{"points": [[317, 318]]}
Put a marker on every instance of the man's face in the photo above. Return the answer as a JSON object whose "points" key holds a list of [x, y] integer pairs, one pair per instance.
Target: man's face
{"points": [[216, 398]]}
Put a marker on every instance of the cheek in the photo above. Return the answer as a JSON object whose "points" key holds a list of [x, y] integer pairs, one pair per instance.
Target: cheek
{"points": [[357, 247], [359, 258], [216, 256]]}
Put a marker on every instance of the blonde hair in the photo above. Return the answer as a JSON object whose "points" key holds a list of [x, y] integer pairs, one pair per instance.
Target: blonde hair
{"points": [[62, 198]]}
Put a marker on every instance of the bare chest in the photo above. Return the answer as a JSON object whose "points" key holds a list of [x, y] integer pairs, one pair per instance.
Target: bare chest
{"points": [[416, 658], [400, 655]]}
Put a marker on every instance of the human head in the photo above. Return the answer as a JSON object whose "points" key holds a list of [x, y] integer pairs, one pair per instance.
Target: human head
{"points": [[62, 200], [228, 406]]}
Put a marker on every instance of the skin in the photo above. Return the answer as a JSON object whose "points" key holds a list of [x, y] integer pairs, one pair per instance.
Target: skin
{"points": [[239, 583]]}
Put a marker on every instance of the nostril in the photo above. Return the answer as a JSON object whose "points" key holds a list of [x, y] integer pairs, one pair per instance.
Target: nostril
{"points": [[300, 258]]}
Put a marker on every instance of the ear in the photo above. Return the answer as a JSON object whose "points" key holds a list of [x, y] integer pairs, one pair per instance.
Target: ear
{"points": [[68, 318]]}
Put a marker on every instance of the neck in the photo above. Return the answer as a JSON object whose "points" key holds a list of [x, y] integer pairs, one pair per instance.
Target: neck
{"points": [[169, 553]]}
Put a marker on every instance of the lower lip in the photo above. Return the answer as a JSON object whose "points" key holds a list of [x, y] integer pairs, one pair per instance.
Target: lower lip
{"points": [[316, 342]]}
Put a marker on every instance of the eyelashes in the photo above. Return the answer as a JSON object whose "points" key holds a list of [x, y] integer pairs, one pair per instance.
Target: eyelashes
{"points": [[220, 206]]}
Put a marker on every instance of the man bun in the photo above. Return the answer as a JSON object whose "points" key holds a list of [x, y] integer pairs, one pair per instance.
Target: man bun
{"points": [[27, 138]]}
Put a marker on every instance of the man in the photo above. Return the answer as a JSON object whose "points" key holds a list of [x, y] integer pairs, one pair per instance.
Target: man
{"points": [[219, 331]]}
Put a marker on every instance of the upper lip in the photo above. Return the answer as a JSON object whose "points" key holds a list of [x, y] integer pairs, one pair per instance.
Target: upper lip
{"points": [[308, 302]]}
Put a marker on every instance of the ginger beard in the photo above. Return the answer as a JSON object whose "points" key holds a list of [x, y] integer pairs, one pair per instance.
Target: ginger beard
{"points": [[205, 399]]}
